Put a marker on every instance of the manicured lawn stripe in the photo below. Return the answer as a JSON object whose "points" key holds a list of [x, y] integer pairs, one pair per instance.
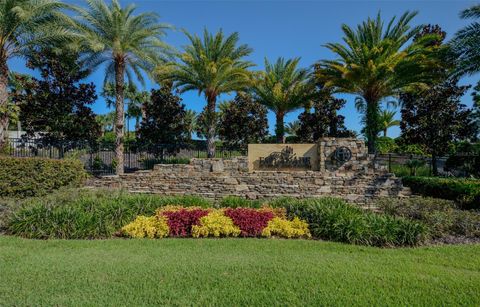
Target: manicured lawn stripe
{"points": [[233, 272]]}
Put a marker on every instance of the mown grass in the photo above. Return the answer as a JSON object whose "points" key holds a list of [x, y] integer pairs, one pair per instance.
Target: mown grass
{"points": [[233, 272]]}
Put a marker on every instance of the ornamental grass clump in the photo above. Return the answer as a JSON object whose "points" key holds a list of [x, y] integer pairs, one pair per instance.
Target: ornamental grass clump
{"points": [[147, 227], [335, 220], [215, 224]]}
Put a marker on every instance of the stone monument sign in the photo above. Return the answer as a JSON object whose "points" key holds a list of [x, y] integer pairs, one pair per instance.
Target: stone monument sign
{"points": [[283, 157]]}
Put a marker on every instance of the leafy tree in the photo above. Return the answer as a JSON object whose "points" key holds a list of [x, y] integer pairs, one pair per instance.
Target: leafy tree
{"points": [[243, 121], [23, 25], [324, 121], [213, 65], [164, 122], [435, 118], [466, 43], [376, 63], [127, 43], [283, 88], [58, 104], [387, 120]]}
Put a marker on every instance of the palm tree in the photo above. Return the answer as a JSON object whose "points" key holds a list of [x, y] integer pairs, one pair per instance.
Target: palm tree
{"points": [[213, 65], [292, 128], [466, 43], [25, 24], [191, 122], [375, 64], [106, 121], [283, 88], [126, 44], [387, 120]]}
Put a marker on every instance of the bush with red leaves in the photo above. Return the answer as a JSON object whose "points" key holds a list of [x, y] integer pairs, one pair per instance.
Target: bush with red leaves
{"points": [[250, 221], [180, 221]]}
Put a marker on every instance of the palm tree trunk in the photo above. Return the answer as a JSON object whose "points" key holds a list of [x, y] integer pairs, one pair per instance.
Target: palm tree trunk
{"points": [[371, 124], [3, 101], [119, 113], [211, 105], [385, 132], [280, 128]]}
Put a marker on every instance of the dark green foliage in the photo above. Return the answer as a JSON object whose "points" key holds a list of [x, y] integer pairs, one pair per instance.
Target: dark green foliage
{"points": [[386, 145], [87, 214], [465, 159], [25, 177], [435, 118], [237, 202], [57, 105], [244, 121], [324, 120], [464, 191], [441, 216], [165, 120], [333, 219]]}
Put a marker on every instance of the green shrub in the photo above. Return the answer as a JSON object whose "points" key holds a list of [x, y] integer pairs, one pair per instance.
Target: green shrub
{"points": [[25, 177], [87, 214], [237, 202], [442, 217], [464, 191], [333, 219], [386, 145]]}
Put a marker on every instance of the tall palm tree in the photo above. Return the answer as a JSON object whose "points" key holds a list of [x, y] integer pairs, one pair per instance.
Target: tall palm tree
{"points": [[282, 88], [127, 44], [25, 24], [387, 120], [376, 63], [466, 43], [212, 65]]}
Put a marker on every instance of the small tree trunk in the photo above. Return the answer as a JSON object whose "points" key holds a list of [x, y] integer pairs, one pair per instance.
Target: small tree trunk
{"points": [[371, 129], [434, 165], [280, 128], [3, 101], [212, 123], [119, 113], [385, 132]]}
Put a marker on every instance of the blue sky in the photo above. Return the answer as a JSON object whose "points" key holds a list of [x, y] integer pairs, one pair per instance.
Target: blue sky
{"points": [[284, 28]]}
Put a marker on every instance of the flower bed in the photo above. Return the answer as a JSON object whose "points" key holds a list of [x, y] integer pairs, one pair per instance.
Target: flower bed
{"points": [[229, 222]]}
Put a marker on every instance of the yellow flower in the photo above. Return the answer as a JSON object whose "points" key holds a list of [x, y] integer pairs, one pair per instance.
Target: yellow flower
{"points": [[287, 229], [147, 227], [215, 224]]}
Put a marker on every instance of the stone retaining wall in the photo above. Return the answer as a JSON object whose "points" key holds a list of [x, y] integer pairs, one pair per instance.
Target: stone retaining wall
{"points": [[359, 181]]}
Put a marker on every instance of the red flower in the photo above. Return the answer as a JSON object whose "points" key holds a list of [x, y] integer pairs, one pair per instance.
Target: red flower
{"points": [[181, 221], [250, 221]]}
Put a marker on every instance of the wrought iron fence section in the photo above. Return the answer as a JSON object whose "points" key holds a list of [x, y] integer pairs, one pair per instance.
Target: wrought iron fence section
{"points": [[99, 157]]}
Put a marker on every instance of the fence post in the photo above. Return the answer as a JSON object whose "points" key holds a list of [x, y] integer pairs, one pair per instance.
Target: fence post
{"points": [[389, 162]]}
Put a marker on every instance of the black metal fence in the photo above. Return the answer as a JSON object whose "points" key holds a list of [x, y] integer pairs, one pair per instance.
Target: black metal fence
{"points": [[99, 157], [458, 165]]}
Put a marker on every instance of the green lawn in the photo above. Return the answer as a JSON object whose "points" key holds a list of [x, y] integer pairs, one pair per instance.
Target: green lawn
{"points": [[233, 272]]}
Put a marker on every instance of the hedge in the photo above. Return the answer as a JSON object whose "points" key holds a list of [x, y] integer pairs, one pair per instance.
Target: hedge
{"points": [[26, 177], [466, 192]]}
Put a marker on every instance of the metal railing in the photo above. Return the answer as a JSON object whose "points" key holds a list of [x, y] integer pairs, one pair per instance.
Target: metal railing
{"points": [[99, 157]]}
